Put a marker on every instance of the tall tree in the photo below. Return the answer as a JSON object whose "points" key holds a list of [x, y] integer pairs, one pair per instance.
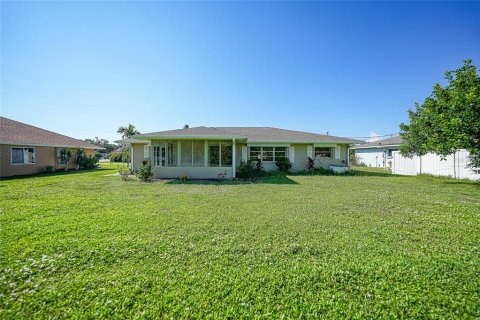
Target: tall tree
{"points": [[128, 131], [449, 119]]}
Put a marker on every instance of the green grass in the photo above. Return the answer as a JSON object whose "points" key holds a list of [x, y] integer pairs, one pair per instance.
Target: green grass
{"points": [[371, 245]]}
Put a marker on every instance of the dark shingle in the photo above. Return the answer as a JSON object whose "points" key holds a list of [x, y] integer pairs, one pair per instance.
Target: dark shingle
{"points": [[252, 134], [14, 132]]}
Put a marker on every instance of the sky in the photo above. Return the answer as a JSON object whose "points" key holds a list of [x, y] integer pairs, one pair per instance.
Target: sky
{"points": [[348, 68]]}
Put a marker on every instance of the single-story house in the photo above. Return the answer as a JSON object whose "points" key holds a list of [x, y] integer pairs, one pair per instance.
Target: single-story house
{"points": [[206, 152], [25, 149], [378, 153]]}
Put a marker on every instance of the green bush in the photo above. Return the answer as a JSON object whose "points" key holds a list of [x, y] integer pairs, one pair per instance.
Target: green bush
{"points": [[283, 164], [124, 172], [250, 169], [245, 170], [118, 157], [50, 169], [88, 162], [146, 172]]}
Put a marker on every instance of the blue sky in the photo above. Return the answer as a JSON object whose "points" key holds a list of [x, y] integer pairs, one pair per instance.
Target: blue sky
{"points": [[85, 68]]}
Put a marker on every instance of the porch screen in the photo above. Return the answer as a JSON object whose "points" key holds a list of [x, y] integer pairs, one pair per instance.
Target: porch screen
{"points": [[198, 153], [172, 153]]}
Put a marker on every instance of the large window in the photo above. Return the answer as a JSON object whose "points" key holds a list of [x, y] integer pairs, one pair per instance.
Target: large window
{"points": [[60, 159], [186, 153], [267, 154], [23, 155], [172, 153], [192, 153], [323, 152], [198, 150], [219, 153]]}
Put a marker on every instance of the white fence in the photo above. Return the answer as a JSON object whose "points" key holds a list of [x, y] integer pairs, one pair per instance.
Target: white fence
{"points": [[455, 165]]}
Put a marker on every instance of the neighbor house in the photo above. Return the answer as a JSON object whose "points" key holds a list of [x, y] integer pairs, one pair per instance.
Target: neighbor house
{"points": [[206, 152], [25, 149], [378, 153]]}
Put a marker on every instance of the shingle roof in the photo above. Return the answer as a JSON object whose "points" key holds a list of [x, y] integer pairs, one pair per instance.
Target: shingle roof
{"points": [[252, 134], [393, 141], [14, 132]]}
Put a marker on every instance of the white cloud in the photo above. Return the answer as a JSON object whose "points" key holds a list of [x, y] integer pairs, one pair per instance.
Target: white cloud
{"points": [[373, 137]]}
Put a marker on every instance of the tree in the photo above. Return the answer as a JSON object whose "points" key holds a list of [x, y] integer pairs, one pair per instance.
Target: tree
{"points": [[448, 120], [104, 143], [128, 131]]}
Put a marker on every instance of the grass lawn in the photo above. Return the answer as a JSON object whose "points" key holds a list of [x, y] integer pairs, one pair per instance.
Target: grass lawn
{"points": [[367, 246]]}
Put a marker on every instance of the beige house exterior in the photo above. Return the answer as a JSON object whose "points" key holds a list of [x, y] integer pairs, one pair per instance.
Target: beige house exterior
{"points": [[26, 150], [206, 152]]}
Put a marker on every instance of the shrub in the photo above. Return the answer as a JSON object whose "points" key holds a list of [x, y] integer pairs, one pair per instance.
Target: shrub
{"points": [[50, 169], [185, 177], [283, 164], [258, 166], [124, 172], [88, 162], [146, 172], [310, 164], [118, 157], [245, 170]]}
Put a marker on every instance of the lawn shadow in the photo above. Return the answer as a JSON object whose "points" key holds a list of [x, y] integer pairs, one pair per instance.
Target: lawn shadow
{"points": [[269, 179], [53, 174]]}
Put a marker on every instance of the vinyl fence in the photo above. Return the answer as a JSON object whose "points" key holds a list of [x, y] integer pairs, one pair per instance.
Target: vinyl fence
{"points": [[455, 165]]}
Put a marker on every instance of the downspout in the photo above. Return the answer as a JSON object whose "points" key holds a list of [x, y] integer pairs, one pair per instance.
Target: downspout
{"points": [[234, 160]]}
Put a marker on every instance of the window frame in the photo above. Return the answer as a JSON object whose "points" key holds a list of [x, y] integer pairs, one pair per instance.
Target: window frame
{"points": [[57, 156], [221, 144], [274, 152], [331, 149], [23, 151]]}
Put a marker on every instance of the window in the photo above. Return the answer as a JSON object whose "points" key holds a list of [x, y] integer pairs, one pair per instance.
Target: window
{"points": [[323, 152], [214, 153], [23, 155], [255, 153], [226, 147], [220, 153], [267, 154], [146, 151], [172, 153], [198, 150], [186, 153], [159, 156], [59, 156]]}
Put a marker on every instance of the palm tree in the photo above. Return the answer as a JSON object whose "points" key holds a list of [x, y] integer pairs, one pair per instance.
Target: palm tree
{"points": [[128, 131]]}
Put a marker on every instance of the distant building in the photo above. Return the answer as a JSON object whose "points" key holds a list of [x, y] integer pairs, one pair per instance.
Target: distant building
{"points": [[378, 153]]}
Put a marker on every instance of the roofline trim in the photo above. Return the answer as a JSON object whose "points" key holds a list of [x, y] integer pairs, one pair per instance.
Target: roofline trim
{"points": [[375, 147], [146, 137]]}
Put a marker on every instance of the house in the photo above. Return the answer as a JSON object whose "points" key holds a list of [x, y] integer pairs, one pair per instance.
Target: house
{"points": [[25, 149], [206, 152], [378, 153]]}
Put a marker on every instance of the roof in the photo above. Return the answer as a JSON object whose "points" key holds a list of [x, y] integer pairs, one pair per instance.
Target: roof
{"points": [[390, 142], [14, 132], [251, 134], [130, 140]]}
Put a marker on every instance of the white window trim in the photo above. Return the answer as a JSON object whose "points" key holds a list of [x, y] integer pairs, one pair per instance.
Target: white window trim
{"points": [[57, 156], [332, 152], [220, 164], [268, 146], [24, 163]]}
